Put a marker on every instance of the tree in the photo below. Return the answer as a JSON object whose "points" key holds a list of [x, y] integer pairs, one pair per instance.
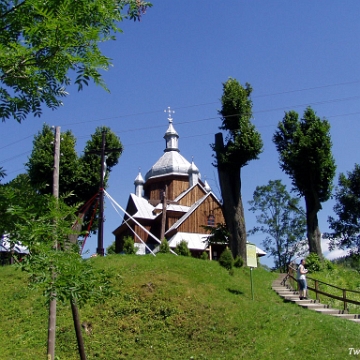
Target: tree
{"points": [[242, 144], [282, 219], [79, 176], [304, 147], [45, 226], [41, 42], [346, 226]]}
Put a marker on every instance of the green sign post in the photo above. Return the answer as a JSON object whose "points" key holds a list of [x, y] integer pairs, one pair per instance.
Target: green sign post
{"points": [[251, 261]]}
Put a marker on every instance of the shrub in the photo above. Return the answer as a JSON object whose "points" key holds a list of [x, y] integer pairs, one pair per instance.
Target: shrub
{"points": [[110, 250], [182, 248], [239, 262], [313, 263], [164, 247], [226, 259], [129, 246], [204, 256]]}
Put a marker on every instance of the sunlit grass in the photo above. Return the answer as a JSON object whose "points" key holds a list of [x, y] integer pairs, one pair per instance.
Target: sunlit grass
{"points": [[169, 307]]}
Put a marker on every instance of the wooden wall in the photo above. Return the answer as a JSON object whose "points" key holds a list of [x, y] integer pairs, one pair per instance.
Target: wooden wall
{"points": [[175, 186], [199, 217]]}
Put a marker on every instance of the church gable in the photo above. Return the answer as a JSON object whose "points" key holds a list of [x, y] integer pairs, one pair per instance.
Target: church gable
{"points": [[191, 196]]}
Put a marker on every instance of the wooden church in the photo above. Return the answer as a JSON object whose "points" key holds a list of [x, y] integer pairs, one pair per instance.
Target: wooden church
{"points": [[172, 202]]}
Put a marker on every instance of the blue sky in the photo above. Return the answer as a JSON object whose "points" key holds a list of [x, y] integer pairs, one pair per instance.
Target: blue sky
{"points": [[294, 54]]}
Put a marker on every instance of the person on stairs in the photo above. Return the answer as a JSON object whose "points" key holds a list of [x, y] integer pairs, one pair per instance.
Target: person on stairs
{"points": [[301, 277]]}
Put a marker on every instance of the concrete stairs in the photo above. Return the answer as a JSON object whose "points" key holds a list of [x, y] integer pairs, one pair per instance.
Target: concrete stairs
{"points": [[284, 290]]}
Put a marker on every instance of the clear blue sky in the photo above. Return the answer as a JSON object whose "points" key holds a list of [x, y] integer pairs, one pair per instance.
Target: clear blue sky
{"points": [[293, 53]]}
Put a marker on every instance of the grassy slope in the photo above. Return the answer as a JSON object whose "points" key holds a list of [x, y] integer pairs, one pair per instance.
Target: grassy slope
{"points": [[174, 308]]}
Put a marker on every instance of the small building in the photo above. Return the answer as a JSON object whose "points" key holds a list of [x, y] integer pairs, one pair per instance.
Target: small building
{"points": [[171, 202]]}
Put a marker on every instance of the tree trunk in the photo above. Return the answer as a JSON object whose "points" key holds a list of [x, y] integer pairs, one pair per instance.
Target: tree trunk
{"points": [[312, 224], [78, 332], [233, 210], [51, 330]]}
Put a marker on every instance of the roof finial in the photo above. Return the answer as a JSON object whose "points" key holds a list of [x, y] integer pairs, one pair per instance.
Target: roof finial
{"points": [[169, 111]]}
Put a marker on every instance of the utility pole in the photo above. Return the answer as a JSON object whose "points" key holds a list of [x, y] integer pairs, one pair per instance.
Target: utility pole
{"points": [[100, 248], [102, 152], [52, 306]]}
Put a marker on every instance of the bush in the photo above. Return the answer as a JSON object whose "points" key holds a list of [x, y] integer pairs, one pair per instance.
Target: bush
{"points": [[204, 256], [226, 259], [110, 250], [164, 247], [313, 263], [239, 262], [182, 248], [129, 246]]}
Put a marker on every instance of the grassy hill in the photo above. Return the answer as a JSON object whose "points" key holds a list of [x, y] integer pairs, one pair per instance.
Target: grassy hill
{"points": [[172, 307]]}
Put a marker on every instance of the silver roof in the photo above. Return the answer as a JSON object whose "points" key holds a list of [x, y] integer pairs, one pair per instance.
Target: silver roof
{"points": [[170, 163]]}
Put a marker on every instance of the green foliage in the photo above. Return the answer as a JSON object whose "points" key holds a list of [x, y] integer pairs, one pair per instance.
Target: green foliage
{"points": [[346, 226], [78, 176], [2, 173], [219, 234], [304, 147], [182, 248], [41, 42], [110, 250], [164, 247], [313, 263], [204, 255], [54, 264], [226, 259], [238, 262], [243, 141], [129, 246], [280, 217]]}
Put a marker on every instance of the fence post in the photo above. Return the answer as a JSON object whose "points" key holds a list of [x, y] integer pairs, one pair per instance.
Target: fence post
{"points": [[344, 297], [316, 290]]}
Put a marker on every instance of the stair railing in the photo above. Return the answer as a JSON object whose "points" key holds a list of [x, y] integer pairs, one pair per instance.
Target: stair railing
{"points": [[344, 299]]}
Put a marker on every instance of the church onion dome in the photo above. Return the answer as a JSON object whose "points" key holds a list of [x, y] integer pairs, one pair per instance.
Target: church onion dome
{"points": [[207, 186], [193, 169], [139, 179]]}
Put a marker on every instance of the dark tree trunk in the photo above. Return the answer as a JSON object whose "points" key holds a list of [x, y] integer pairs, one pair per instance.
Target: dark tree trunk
{"points": [[313, 232], [233, 210], [78, 332]]}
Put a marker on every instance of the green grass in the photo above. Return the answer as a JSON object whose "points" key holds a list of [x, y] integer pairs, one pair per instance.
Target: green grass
{"points": [[169, 307]]}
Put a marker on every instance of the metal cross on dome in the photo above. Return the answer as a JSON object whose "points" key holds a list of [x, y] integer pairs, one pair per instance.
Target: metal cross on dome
{"points": [[169, 112]]}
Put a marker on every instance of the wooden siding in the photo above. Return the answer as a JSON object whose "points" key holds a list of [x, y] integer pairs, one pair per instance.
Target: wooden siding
{"points": [[175, 186], [192, 196], [199, 217]]}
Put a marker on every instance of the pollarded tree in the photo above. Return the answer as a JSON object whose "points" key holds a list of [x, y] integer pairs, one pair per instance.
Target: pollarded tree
{"points": [[304, 146], [41, 42], [281, 218], [242, 144], [346, 227]]}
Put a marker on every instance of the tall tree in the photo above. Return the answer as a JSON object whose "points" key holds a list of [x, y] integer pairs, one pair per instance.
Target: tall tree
{"points": [[304, 147], [282, 219], [346, 226], [242, 144], [41, 42], [79, 175]]}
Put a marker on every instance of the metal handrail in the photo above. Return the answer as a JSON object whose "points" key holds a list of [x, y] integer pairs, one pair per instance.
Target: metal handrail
{"points": [[342, 298]]}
